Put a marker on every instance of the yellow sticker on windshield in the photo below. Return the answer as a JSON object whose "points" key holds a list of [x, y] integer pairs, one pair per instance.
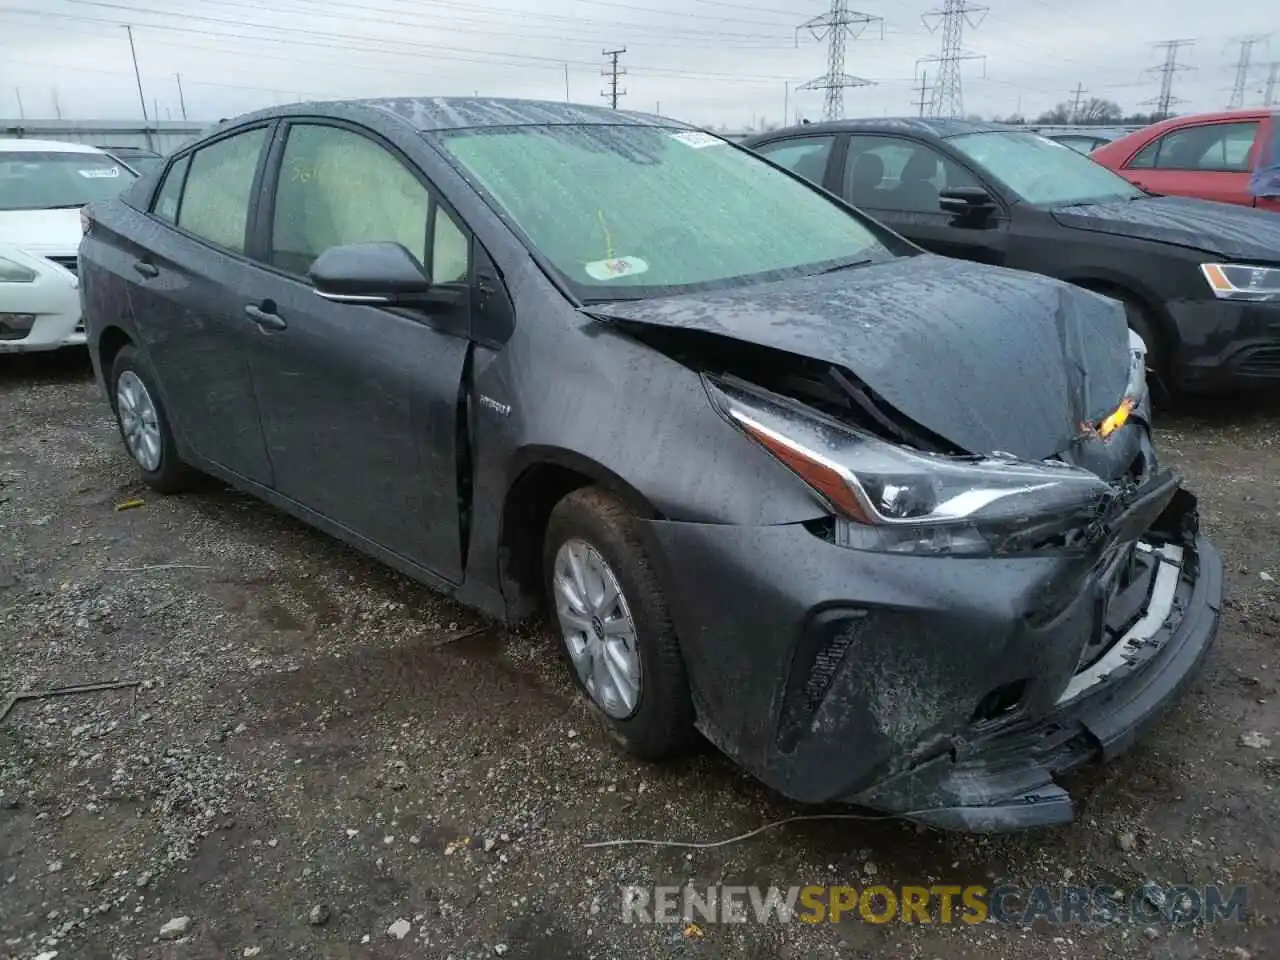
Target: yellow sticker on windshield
{"points": [[616, 267]]}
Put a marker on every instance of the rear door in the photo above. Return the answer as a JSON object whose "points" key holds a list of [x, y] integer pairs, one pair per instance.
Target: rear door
{"points": [[187, 276], [898, 180], [360, 404], [1211, 161]]}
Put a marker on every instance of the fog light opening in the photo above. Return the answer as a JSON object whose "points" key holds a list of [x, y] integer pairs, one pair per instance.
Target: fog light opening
{"points": [[1000, 701]]}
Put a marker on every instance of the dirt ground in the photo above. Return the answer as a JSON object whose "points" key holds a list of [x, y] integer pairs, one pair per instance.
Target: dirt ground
{"points": [[306, 762]]}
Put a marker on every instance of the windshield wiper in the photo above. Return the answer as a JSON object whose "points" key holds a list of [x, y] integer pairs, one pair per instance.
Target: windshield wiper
{"points": [[843, 266]]}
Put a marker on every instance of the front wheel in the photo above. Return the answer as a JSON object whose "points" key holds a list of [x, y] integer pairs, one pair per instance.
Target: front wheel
{"points": [[144, 425], [617, 636]]}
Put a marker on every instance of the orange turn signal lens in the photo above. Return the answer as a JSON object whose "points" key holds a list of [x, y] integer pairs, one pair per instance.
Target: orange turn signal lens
{"points": [[1217, 278], [1116, 420], [830, 481]]}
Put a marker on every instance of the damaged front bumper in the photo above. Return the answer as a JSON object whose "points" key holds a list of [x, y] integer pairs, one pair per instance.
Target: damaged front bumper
{"points": [[951, 691]]}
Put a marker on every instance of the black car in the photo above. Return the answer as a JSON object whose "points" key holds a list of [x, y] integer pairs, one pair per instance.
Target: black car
{"points": [[887, 528], [1200, 280]]}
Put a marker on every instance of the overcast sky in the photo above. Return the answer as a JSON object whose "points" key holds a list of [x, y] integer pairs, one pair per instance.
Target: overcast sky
{"points": [[723, 62]]}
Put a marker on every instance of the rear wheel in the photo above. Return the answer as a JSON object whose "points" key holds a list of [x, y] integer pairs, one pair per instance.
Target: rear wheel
{"points": [[144, 426], [607, 605]]}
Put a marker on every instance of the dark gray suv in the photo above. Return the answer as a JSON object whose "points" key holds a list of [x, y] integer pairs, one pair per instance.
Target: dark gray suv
{"points": [[887, 528]]}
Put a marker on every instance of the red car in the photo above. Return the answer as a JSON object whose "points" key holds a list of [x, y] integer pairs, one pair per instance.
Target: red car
{"points": [[1214, 156]]}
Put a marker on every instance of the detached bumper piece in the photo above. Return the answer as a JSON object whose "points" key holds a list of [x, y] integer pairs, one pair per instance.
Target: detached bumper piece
{"points": [[948, 690], [1157, 630]]}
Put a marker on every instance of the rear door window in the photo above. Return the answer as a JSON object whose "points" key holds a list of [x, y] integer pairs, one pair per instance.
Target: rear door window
{"points": [[1212, 148], [216, 198], [804, 156]]}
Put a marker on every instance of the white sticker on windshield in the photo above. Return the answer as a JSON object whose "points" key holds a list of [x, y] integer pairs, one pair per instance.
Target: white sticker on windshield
{"points": [[697, 139], [616, 267], [100, 173]]}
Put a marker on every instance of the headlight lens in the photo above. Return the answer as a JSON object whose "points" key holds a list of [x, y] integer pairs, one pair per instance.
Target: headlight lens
{"points": [[1235, 281], [13, 272], [891, 498]]}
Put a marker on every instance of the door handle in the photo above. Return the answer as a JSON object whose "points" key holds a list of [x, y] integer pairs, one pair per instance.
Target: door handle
{"points": [[265, 319], [146, 269]]}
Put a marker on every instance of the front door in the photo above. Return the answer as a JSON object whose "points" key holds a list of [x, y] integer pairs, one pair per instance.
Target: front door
{"points": [[898, 181], [1211, 161], [187, 302], [360, 404]]}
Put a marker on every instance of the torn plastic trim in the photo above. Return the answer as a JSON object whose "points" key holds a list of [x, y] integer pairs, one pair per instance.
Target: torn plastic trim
{"points": [[1144, 633]]}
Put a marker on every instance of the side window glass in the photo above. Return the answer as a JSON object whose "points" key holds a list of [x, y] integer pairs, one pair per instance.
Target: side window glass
{"points": [[450, 250], [805, 156], [887, 173], [1218, 147], [338, 187], [215, 201], [1146, 157], [166, 204]]}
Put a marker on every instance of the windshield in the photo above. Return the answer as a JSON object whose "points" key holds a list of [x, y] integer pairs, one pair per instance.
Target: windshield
{"points": [[1041, 171], [35, 180], [625, 212]]}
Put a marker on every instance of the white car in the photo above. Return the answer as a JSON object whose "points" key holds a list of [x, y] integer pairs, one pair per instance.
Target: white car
{"points": [[43, 185]]}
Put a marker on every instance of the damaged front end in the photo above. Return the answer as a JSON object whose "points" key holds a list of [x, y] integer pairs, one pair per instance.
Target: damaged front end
{"points": [[957, 629]]}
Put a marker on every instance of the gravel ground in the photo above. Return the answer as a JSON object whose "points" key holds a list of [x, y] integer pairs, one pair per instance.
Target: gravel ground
{"points": [[309, 766]]}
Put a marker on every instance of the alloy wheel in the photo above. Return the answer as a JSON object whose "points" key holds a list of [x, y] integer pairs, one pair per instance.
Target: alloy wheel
{"points": [[139, 421], [598, 629]]}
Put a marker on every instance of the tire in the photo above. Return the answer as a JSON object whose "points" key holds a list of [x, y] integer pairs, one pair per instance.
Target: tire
{"points": [[166, 473], [598, 528], [1159, 374]]}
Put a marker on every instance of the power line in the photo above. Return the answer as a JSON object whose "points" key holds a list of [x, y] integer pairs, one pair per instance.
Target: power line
{"points": [[948, 98], [836, 27], [1242, 70], [613, 73], [1166, 99]]}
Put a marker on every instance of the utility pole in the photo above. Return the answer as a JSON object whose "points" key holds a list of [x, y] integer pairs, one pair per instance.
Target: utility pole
{"points": [[22, 114], [57, 105], [1166, 99], [566, 83], [137, 75], [182, 101], [924, 93], [1242, 70], [947, 96], [836, 27], [1075, 102], [613, 73]]}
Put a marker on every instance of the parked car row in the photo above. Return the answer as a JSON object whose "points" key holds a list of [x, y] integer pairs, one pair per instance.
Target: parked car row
{"points": [[887, 527], [1200, 281]]}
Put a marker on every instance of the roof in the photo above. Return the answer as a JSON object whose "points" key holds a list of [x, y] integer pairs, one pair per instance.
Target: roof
{"points": [[23, 145], [458, 113], [909, 125]]}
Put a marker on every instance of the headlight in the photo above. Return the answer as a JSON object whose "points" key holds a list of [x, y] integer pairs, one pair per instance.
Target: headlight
{"points": [[1234, 281], [890, 498], [13, 272]]}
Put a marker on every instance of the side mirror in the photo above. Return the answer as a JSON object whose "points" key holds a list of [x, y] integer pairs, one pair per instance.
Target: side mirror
{"points": [[966, 201], [372, 273]]}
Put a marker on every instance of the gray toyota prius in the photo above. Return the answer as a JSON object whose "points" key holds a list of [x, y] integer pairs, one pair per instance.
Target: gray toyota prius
{"points": [[888, 529]]}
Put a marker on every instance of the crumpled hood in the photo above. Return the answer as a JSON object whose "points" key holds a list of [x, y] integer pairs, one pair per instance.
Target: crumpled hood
{"points": [[987, 358], [1223, 229], [43, 232]]}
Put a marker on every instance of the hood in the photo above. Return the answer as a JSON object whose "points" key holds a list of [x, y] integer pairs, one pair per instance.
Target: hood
{"points": [[43, 232], [989, 359], [1223, 229]]}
